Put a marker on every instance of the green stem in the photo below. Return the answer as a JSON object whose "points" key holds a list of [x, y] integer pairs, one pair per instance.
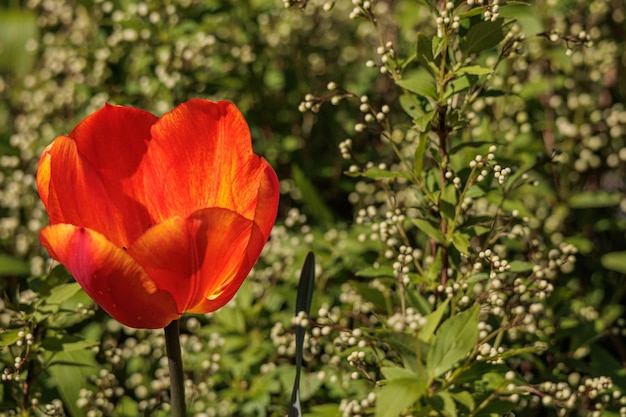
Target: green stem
{"points": [[175, 363]]}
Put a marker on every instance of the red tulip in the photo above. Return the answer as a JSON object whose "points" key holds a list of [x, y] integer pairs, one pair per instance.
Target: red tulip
{"points": [[156, 217]]}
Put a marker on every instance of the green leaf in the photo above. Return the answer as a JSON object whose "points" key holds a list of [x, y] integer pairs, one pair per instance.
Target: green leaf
{"points": [[475, 371], [465, 399], [482, 276], [430, 230], [432, 322], [424, 51], [9, 337], [421, 83], [398, 395], [408, 104], [455, 338], [407, 346], [457, 85], [393, 372], [528, 17], [474, 11], [70, 371], [475, 70], [615, 261], [443, 402], [66, 343], [126, 407], [495, 407], [432, 273], [447, 208], [520, 266], [13, 266], [595, 200], [422, 123], [418, 157], [322, 410], [371, 272], [62, 293], [461, 242], [483, 35], [314, 204], [376, 173]]}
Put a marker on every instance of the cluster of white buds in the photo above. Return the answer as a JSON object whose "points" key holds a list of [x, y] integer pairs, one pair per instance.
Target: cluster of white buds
{"points": [[411, 320], [301, 319], [356, 358], [311, 103], [387, 53], [24, 338], [361, 8], [491, 10], [402, 267], [445, 20], [354, 408], [501, 174], [345, 148]]}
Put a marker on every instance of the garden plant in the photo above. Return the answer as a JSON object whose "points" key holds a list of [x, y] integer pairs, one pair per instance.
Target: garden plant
{"points": [[457, 168]]}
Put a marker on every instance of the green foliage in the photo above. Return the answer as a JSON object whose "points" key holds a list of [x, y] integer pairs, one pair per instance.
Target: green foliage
{"points": [[469, 234]]}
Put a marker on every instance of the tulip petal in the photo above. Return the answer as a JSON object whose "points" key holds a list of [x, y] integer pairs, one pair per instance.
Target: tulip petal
{"points": [[201, 256], [110, 276], [88, 178], [201, 156], [228, 286], [43, 176]]}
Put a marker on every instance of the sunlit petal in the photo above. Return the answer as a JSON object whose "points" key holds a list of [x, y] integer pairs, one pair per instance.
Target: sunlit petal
{"points": [[110, 276], [194, 257], [201, 156]]}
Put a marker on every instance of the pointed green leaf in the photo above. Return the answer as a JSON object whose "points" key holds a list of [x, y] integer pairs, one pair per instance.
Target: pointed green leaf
{"points": [[521, 266], [457, 85], [475, 70], [408, 104], [465, 399], [461, 242], [448, 210], [453, 341], [483, 35], [442, 401], [430, 230], [432, 273], [418, 158], [424, 51], [392, 373], [398, 395], [9, 337], [69, 371], [423, 123], [432, 322], [62, 293], [529, 18], [420, 82], [376, 173], [371, 272]]}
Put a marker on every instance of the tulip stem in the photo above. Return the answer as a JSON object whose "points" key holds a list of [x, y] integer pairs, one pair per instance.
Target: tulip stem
{"points": [[175, 363]]}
